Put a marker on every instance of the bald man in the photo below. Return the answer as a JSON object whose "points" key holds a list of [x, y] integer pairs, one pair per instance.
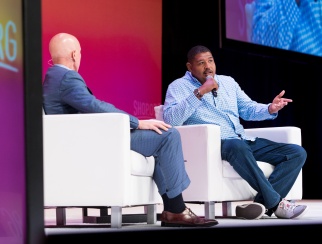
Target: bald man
{"points": [[65, 49], [65, 92]]}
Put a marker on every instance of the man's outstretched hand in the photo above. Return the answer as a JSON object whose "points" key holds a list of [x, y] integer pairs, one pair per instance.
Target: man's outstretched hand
{"points": [[278, 103]]}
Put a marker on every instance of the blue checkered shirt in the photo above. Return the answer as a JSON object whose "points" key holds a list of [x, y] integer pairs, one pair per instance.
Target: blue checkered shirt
{"points": [[182, 107], [284, 24]]}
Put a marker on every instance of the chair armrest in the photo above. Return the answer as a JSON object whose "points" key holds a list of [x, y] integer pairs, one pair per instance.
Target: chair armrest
{"points": [[201, 148], [85, 157], [285, 134]]}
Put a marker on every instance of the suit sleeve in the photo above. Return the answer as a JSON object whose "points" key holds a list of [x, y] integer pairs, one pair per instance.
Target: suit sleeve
{"points": [[75, 93]]}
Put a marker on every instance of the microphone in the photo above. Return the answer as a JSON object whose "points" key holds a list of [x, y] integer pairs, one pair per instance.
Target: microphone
{"points": [[213, 91]]}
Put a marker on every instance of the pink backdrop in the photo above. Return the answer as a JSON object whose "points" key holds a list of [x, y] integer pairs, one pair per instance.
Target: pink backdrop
{"points": [[12, 162], [121, 48]]}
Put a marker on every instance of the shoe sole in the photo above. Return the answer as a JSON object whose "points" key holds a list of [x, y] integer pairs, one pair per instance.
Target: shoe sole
{"points": [[300, 214], [250, 211], [164, 224]]}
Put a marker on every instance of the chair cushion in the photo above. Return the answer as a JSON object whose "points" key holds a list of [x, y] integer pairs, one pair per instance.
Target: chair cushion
{"points": [[141, 166]]}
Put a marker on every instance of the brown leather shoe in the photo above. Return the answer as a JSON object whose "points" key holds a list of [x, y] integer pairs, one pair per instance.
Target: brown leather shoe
{"points": [[185, 219]]}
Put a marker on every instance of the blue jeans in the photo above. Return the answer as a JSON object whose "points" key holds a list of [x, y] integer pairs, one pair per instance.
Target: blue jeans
{"points": [[288, 160]]}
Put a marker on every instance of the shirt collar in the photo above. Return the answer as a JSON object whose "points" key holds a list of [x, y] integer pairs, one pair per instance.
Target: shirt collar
{"points": [[63, 66]]}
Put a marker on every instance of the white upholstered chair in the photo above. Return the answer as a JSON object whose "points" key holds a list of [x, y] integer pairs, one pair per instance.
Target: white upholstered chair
{"points": [[88, 163], [213, 179]]}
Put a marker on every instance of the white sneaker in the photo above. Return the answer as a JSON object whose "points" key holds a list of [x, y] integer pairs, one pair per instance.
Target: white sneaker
{"points": [[289, 210], [250, 211]]}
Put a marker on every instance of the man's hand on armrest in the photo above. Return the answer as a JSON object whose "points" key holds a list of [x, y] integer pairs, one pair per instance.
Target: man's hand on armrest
{"points": [[153, 124]]}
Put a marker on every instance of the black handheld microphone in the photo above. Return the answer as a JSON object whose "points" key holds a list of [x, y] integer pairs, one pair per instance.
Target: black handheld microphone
{"points": [[213, 91]]}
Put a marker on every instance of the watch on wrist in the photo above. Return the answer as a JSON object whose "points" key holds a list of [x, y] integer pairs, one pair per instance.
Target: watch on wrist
{"points": [[197, 93]]}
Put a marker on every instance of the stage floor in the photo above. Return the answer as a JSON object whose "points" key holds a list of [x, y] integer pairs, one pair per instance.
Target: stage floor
{"points": [[298, 228]]}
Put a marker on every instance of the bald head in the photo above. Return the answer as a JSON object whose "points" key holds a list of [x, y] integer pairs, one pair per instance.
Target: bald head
{"points": [[65, 49]]}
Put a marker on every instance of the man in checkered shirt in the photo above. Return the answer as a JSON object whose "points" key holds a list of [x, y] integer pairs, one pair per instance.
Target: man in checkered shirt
{"points": [[203, 97]]}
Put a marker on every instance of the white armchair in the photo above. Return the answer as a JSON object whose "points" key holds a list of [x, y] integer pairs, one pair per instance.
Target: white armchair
{"points": [[214, 180], [88, 163]]}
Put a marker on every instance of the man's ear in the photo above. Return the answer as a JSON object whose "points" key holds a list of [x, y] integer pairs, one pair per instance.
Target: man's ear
{"points": [[74, 54], [188, 66]]}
